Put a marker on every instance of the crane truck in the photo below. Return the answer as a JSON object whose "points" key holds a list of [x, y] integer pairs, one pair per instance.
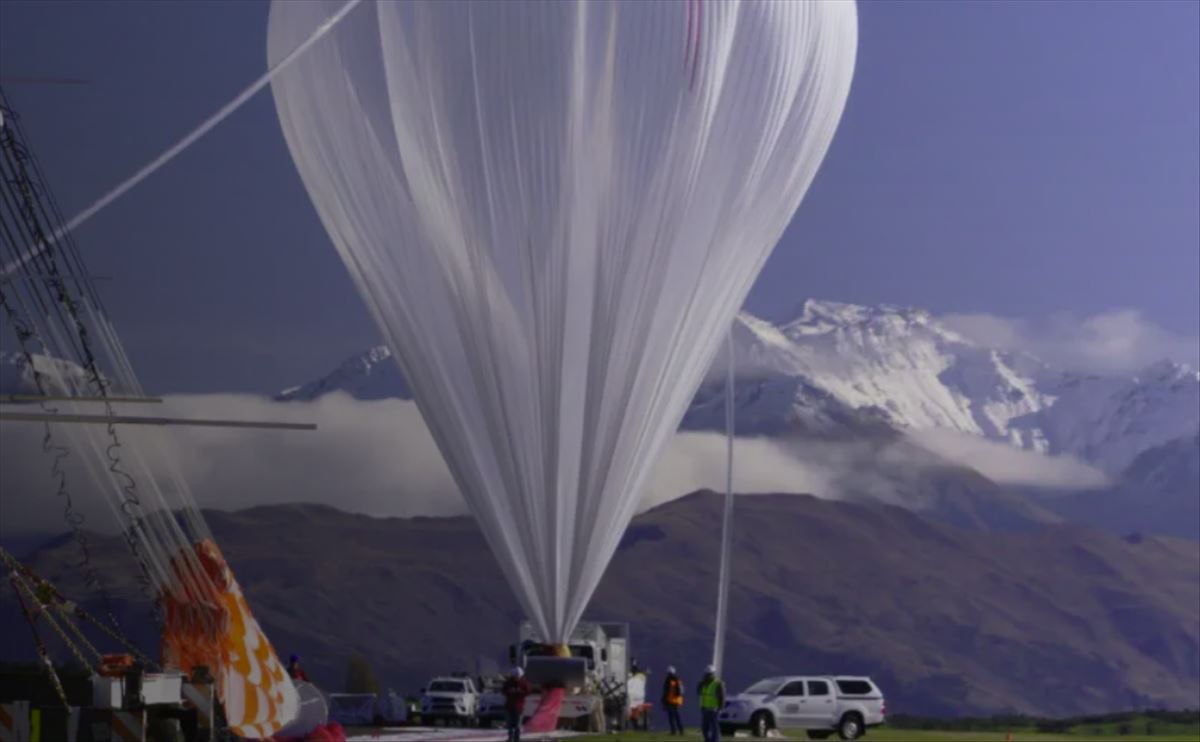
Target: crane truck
{"points": [[595, 675]]}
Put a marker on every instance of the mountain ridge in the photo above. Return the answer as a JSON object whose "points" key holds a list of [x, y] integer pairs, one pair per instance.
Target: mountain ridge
{"points": [[837, 366], [948, 620]]}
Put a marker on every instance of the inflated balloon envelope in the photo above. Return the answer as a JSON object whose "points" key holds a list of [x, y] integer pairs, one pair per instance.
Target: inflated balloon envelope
{"points": [[553, 211]]}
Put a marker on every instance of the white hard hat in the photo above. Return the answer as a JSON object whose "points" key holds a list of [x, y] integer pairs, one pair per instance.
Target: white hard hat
{"points": [[670, 669], [711, 668], [517, 672]]}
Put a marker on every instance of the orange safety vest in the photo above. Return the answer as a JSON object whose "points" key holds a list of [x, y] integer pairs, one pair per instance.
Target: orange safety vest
{"points": [[674, 692]]}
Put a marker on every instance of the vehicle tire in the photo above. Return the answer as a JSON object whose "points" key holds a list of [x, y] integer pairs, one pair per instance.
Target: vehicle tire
{"points": [[819, 733], [851, 726], [760, 723]]}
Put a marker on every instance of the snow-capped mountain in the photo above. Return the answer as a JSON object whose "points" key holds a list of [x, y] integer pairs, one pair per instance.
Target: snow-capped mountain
{"points": [[1112, 420], [840, 367], [899, 365], [914, 372], [1158, 493], [369, 375]]}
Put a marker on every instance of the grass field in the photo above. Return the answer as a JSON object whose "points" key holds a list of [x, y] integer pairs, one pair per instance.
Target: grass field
{"points": [[1154, 726], [918, 735]]}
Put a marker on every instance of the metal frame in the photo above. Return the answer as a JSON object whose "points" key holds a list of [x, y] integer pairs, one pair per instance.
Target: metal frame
{"points": [[40, 417]]}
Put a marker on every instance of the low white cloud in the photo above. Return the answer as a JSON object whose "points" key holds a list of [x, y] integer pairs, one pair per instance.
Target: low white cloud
{"points": [[1005, 464], [695, 461], [378, 458], [371, 457], [1117, 341], [374, 457]]}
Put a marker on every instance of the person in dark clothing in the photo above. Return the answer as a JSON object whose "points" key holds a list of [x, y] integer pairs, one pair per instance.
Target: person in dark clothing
{"points": [[712, 697], [672, 700], [295, 671], [514, 690]]}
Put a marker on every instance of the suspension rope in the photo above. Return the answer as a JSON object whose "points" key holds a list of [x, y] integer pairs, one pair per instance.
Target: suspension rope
{"points": [[162, 539], [43, 654], [71, 609], [25, 212], [45, 613]]}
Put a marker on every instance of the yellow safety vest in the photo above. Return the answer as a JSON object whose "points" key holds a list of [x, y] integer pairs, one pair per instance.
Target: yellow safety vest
{"points": [[708, 695]]}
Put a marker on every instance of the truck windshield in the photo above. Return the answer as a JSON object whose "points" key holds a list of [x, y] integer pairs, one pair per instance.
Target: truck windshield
{"points": [[770, 685], [585, 651], [577, 650], [446, 686]]}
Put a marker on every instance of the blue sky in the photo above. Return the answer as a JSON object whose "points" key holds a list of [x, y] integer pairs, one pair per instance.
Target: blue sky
{"points": [[1021, 159]]}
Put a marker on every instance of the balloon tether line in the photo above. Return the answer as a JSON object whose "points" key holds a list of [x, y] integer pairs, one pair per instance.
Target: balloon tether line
{"points": [[188, 140], [727, 519]]}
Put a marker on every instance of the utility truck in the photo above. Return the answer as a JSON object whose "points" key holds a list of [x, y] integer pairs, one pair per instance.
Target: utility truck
{"points": [[822, 705], [595, 675]]}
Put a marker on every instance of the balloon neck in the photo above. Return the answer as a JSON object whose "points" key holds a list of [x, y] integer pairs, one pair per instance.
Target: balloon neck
{"points": [[560, 650]]}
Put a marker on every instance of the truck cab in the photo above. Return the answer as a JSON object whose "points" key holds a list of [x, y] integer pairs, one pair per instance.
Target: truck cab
{"points": [[595, 674], [598, 656], [822, 705]]}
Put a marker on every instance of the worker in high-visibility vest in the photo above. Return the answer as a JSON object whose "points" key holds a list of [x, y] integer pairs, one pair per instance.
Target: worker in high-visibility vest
{"points": [[712, 697], [672, 700]]}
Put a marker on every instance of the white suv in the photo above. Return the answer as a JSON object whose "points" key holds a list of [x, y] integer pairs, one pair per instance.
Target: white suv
{"points": [[821, 704]]}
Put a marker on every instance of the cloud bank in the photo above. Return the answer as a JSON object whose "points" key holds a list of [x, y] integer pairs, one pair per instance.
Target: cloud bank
{"points": [[378, 458], [1005, 464], [1116, 341], [374, 457]]}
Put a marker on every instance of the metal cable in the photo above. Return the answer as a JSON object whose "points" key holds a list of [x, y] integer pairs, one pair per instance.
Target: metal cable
{"points": [[24, 215], [70, 608]]}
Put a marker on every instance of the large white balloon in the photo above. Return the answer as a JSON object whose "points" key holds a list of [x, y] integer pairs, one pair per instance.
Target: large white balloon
{"points": [[554, 210]]}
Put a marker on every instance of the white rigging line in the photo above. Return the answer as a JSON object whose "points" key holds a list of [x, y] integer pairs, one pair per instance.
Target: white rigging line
{"points": [[726, 521], [187, 141]]}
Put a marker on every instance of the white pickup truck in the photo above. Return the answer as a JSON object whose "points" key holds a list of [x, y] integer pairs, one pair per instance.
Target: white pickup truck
{"points": [[823, 705], [451, 700]]}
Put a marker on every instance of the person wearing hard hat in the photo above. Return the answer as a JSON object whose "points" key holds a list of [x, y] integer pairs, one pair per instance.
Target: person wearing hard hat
{"points": [[672, 700], [712, 697], [514, 690]]}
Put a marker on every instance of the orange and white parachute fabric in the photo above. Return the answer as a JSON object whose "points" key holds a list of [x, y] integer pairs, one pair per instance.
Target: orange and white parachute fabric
{"points": [[210, 624]]}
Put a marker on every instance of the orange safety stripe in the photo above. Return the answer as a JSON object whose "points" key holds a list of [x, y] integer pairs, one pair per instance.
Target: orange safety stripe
{"points": [[128, 726]]}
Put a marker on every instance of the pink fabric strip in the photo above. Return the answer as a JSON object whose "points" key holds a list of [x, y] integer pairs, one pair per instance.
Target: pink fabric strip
{"points": [[545, 716]]}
